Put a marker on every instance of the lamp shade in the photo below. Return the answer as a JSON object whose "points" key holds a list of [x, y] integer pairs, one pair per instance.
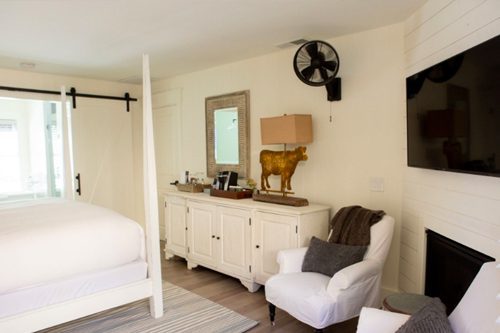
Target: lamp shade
{"points": [[295, 128]]}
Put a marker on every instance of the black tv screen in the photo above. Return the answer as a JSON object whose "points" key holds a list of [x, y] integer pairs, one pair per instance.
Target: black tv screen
{"points": [[453, 113]]}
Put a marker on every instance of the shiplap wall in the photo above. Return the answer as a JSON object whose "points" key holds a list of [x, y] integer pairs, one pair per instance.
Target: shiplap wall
{"points": [[465, 208]]}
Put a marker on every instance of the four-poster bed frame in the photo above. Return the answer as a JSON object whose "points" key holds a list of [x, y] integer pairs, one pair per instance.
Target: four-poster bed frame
{"points": [[150, 287]]}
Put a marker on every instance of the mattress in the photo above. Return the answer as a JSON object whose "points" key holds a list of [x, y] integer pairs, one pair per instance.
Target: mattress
{"points": [[26, 299], [48, 240]]}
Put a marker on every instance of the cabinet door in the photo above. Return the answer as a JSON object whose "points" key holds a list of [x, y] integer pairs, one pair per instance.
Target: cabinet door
{"points": [[175, 226], [201, 233], [233, 241], [273, 232]]}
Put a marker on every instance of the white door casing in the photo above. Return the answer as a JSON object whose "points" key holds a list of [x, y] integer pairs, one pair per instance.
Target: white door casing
{"points": [[167, 135], [167, 129]]}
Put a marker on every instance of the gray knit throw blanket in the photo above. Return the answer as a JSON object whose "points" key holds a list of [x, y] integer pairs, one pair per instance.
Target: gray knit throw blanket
{"points": [[351, 225]]}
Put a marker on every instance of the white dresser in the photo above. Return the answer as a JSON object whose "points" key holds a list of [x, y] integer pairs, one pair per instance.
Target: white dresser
{"points": [[239, 238]]}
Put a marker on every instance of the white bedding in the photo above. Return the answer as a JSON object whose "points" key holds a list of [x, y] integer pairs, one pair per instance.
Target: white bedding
{"points": [[42, 241], [26, 299]]}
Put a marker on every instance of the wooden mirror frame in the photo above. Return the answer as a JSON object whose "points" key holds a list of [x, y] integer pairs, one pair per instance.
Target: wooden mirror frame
{"points": [[240, 100]]}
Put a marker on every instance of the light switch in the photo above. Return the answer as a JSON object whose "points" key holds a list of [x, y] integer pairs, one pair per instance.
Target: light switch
{"points": [[376, 184]]}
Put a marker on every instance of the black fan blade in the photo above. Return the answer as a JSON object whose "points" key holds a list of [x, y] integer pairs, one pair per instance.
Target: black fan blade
{"points": [[312, 50], [324, 74], [307, 72], [331, 65]]}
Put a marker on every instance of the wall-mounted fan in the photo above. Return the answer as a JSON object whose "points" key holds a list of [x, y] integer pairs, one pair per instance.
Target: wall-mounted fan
{"points": [[316, 63]]}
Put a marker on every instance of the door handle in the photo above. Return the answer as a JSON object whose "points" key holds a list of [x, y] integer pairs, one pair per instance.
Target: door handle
{"points": [[78, 185]]}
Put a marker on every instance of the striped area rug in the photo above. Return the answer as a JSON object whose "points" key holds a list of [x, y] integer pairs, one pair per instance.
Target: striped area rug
{"points": [[184, 312]]}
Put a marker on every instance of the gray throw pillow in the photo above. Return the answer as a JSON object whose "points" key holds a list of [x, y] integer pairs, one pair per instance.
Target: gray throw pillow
{"points": [[429, 319], [329, 258]]}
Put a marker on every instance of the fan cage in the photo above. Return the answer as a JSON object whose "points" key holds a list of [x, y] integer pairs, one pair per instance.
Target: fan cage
{"points": [[303, 60]]}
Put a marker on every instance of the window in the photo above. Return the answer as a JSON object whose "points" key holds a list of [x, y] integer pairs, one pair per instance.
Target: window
{"points": [[31, 163], [9, 156]]}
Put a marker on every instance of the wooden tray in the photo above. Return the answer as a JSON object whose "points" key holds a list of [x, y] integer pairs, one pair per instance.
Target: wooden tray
{"points": [[281, 200], [190, 187], [231, 194]]}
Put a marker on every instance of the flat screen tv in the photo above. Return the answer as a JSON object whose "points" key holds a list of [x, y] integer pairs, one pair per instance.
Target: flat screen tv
{"points": [[453, 113]]}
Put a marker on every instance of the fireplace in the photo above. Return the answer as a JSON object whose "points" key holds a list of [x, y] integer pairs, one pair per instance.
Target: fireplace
{"points": [[450, 268]]}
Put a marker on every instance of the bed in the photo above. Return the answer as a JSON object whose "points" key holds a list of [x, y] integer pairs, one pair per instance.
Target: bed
{"points": [[73, 249], [62, 259]]}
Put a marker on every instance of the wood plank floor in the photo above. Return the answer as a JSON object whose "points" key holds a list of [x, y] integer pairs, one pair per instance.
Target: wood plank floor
{"points": [[230, 293]]}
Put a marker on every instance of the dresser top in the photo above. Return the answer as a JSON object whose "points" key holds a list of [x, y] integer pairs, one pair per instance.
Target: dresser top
{"points": [[245, 203]]}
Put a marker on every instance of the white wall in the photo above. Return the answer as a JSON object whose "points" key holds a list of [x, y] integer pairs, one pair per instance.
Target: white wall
{"points": [[364, 140], [119, 161], [465, 208]]}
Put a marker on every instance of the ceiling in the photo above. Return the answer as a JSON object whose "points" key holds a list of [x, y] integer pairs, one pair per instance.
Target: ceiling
{"points": [[105, 38]]}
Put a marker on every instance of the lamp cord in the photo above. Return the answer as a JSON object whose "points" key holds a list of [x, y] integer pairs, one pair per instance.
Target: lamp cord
{"points": [[331, 111]]}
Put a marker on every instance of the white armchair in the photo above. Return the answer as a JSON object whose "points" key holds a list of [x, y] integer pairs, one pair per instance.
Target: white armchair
{"points": [[320, 301], [476, 312]]}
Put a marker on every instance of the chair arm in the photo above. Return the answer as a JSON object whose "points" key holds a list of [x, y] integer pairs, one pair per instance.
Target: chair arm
{"points": [[354, 274], [290, 260], [378, 321]]}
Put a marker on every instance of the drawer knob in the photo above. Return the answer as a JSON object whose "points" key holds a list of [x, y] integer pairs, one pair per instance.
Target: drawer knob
{"points": [[257, 246]]}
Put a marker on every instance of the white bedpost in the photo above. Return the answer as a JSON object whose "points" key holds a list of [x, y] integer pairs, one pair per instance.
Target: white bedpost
{"points": [[151, 195]]}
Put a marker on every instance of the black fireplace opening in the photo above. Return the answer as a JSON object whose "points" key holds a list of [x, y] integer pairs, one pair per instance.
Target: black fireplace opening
{"points": [[450, 268]]}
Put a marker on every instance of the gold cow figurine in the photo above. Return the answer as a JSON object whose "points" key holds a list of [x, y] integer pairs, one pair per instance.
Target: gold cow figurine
{"points": [[280, 163]]}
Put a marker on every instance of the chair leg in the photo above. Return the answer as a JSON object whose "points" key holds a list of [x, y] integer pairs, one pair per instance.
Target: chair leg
{"points": [[272, 312]]}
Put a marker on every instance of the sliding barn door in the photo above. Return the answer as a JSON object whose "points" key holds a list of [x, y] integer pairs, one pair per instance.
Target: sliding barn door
{"points": [[103, 154]]}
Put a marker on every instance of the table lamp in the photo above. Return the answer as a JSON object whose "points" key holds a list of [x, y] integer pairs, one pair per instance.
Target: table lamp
{"points": [[286, 129]]}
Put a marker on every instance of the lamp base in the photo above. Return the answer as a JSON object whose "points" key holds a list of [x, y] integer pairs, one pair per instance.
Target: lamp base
{"points": [[280, 199]]}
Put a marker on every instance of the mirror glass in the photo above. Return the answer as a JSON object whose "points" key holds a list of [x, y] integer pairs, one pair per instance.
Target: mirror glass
{"points": [[226, 136], [227, 130]]}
